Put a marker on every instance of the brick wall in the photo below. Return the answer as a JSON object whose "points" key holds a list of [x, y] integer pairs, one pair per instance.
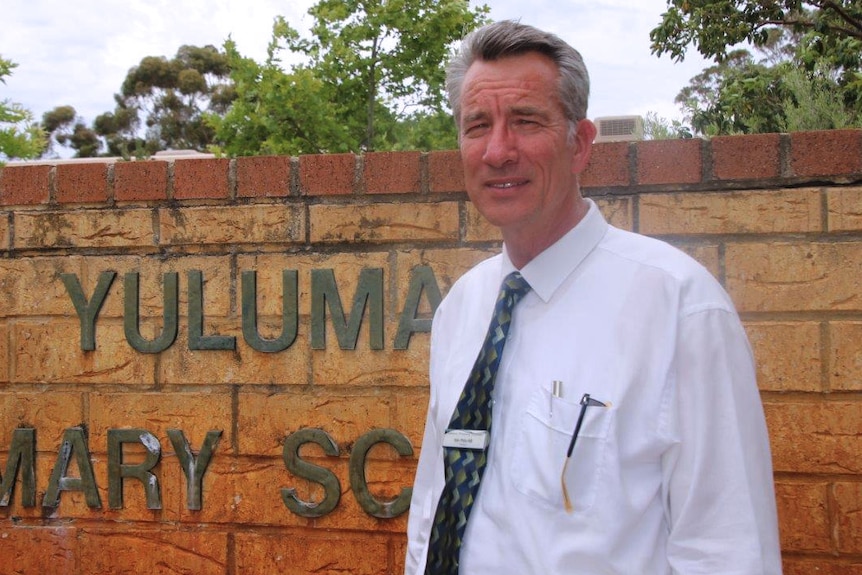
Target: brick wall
{"points": [[777, 218]]}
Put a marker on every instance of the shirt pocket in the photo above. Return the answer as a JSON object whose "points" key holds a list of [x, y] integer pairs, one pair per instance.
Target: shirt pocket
{"points": [[540, 451]]}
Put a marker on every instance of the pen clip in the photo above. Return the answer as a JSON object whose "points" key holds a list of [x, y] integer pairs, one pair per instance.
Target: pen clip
{"points": [[586, 401]]}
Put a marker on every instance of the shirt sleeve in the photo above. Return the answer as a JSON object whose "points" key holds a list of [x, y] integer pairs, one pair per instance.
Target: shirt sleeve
{"points": [[718, 475]]}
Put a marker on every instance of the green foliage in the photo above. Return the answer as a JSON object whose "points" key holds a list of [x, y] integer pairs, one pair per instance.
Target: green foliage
{"points": [[813, 103], [432, 130], [659, 128], [714, 27], [808, 76], [65, 128], [163, 104], [737, 96], [277, 112], [20, 137], [371, 77]]}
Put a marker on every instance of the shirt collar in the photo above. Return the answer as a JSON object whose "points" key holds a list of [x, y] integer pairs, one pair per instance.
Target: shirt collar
{"points": [[547, 271]]}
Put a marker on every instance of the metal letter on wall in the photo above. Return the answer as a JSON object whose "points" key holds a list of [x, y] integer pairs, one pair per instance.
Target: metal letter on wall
{"points": [[369, 290], [421, 278], [315, 473], [117, 470], [194, 468], [88, 311], [74, 441], [197, 339], [289, 312], [358, 482], [22, 454], [131, 315]]}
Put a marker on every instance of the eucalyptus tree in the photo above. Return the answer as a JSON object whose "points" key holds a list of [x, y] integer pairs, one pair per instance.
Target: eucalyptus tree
{"points": [[162, 103]]}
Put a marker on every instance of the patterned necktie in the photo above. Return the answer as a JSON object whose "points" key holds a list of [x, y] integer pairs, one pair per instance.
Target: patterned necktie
{"points": [[464, 467]]}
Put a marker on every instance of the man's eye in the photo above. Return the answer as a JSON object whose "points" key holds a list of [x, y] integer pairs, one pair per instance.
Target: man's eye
{"points": [[475, 128]]}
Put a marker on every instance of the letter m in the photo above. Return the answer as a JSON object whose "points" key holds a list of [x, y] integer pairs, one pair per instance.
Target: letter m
{"points": [[22, 454]]}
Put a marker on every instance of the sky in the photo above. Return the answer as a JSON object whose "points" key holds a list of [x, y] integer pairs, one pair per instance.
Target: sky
{"points": [[78, 52]]}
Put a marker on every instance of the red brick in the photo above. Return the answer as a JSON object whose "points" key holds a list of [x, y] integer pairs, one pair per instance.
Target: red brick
{"points": [[609, 166], [265, 418], [263, 176], [248, 491], [49, 351], [398, 552], [30, 550], [803, 276], [669, 162], [194, 413], [141, 180], [82, 183], [445, 171], [788, 355], [49, 413], [746, 157], [4, 352], [824, 565], [803, 511], [327, 174], [844, 209], [125, 550], [409, 415], [845, 356], [5, 231], [815, 436], [848, 499], [392, 172], [24, 185], [301, 553], [201, 179], [826, 153]]}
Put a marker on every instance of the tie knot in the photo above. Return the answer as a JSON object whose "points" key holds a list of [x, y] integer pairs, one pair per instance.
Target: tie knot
{"points": [[514, 286]]}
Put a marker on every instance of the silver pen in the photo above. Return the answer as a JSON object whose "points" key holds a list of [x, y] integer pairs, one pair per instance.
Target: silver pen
{"points": [[556, 391]]}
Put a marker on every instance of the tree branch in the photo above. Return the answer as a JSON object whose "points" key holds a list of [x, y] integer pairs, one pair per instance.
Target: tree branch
{"points": [[846, 16], [811, 25]]}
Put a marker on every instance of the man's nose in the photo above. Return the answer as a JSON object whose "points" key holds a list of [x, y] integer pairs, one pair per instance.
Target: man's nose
{"points": [[501, 147]]}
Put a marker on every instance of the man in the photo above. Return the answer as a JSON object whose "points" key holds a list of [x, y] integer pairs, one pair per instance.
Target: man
{"points": [[628, 435]]}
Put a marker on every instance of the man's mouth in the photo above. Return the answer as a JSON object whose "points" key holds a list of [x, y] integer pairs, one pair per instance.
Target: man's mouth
{"points": [[507, 184]]}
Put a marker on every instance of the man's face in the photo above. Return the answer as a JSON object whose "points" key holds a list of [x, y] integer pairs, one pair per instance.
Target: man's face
{"points": [[520, 164]]}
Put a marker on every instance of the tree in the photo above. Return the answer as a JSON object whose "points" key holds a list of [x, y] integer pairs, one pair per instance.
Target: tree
{"points": [[814, 104], [659, 128], [811, 55], [277, 112], [738, 95], [65, 128], [173, 96], [714, 26], [372, 74], [20, 137]]}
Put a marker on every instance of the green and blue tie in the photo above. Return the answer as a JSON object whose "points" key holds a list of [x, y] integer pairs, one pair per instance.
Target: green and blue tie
{"points": [[464, 467]]}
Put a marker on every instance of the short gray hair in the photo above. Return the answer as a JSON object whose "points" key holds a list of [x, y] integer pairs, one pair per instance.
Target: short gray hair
{"points": [[510, 38]]}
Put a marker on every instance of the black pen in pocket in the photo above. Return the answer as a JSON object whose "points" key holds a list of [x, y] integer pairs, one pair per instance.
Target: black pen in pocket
{"points": [[586, 401]]}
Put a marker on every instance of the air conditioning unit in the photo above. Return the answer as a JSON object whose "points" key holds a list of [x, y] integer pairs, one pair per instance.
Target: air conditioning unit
{"points": [[619, 128]]}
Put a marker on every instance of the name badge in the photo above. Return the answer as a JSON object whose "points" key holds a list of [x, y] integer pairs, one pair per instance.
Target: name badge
{"points": [[465, 438]]}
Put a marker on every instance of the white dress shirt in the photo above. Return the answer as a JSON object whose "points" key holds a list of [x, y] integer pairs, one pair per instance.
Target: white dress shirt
{"points": [[673, 477]]}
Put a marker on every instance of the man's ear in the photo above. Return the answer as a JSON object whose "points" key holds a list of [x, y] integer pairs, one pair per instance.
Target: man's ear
{"points": [[584, 136]]}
